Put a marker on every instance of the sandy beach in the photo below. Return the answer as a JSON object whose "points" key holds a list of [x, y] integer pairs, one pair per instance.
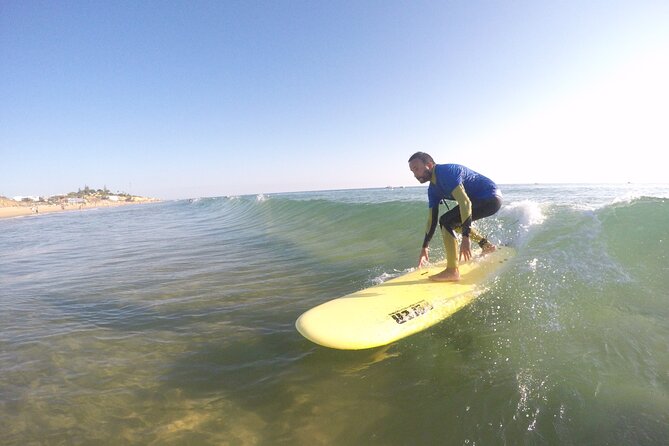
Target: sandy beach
{"points": [[21, 210]]}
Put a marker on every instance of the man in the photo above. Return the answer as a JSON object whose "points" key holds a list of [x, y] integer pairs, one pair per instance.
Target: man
{"points": [[477, 197]]}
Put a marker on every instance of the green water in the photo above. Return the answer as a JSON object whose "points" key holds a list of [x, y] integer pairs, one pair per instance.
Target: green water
{"points": [[173, 324]]}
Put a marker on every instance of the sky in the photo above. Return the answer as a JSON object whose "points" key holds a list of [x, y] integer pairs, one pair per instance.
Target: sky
{"points": [[180, 99]]}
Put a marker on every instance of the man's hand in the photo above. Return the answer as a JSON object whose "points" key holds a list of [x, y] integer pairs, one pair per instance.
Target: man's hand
{"points": [[465, 249], [424, 258]]}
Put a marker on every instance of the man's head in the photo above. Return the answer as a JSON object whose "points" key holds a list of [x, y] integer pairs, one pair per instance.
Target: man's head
{"points": [[421, 164]]}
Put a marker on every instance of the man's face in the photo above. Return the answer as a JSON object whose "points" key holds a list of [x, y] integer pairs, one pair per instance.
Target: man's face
{"points": [[422, 171]]}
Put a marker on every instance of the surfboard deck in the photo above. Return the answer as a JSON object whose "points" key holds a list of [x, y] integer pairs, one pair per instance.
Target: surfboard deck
{"points": [[397, 308]]}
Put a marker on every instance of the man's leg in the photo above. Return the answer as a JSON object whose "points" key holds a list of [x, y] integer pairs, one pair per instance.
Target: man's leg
{"points": [[482, 209], [448, 222]]}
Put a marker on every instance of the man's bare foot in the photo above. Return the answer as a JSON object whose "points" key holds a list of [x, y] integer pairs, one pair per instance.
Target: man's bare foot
{"points": [[447, 275], [488, 248]]}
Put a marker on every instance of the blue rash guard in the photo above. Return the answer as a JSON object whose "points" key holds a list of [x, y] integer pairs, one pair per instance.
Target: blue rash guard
{"points": [[447, 177]]}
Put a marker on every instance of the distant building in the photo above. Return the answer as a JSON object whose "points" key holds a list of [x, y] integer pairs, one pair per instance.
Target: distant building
{"points": [[25, 198], [76, 201]]}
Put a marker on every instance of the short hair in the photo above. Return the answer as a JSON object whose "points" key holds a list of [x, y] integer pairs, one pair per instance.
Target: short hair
{"points": [[424, 157]]}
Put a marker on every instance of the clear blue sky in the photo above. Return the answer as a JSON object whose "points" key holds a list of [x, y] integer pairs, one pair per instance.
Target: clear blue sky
{"points": [[208, 98]]}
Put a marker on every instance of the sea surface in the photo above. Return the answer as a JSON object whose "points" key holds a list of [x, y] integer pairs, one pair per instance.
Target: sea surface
{"points": [[173, 323]]}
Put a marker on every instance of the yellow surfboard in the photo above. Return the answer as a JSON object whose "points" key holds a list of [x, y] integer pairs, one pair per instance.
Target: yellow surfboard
{"points": [[397, 308]]}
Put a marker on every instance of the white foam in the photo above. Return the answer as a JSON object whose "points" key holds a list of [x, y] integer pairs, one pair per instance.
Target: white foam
{"points": [[519, 218], [640, 192], [527, 213], [631, 196], [384, 277]]}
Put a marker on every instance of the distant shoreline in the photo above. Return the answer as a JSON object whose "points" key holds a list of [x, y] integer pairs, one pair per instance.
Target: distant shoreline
{"points": [[22, 210]]}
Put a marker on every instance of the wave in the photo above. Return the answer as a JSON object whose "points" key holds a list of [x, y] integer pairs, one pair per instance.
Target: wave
{"points": [[374, 219], [389, 233]]}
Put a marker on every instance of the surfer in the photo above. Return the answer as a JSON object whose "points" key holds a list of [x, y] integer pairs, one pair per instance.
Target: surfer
{"points": [[477, 197]]}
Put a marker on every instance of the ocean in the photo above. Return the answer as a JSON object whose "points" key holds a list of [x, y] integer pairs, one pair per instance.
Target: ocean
{"points": [[173, 323]]}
